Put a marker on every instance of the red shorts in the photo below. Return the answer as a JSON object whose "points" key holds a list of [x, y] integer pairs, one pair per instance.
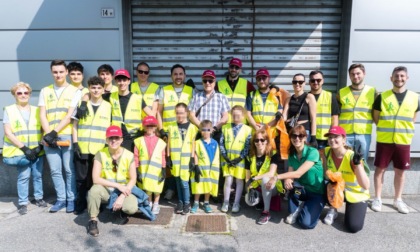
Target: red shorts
{"points": [[397, 153]]}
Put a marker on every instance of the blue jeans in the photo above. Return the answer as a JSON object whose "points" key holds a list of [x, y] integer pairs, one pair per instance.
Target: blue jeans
{"points": [[57, 159], [312, 208], [363, 140], [24, 174], [183, 190]]}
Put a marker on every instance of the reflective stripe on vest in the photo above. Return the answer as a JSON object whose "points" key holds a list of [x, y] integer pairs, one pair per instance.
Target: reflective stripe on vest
{"points": [[148, 96], [356, 116], [210, 172], [353, 191], [132, 119], [395, 123], [181, 150], [234, 146], [323, 114], [150, 167], [122, 175], [57, 107], [170, 100], [234, 97], [263, 113], [29, 134], [91, 129]]}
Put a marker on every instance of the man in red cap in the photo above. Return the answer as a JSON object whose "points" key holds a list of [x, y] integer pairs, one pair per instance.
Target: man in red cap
{"points": [[234, 87]]}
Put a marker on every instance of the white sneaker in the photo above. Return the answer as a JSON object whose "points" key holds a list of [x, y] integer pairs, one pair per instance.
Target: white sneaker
{"points": [[331, 216], [169, 194], [155, 209], [376, 205], [401, 206], [225, 207], [291, 219], [236, 207]]}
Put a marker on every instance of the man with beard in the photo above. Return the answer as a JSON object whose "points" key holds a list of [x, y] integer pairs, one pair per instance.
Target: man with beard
{"points": [[355, 102]]}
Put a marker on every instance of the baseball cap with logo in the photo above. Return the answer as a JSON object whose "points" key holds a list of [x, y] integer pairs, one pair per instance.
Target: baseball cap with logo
{"points": [[113, 131], [150, 120], [263, 72], [122, 72], [208, 73], [336, 130], [236, 62]]}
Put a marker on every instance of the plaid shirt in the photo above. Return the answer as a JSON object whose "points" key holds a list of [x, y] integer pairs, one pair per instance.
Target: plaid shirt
{"points": [[213, 110]]}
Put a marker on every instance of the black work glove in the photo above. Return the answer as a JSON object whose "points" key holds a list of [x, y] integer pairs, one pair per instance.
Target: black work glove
{"points": [[82, 110], [162, 175], [38, 149], [278, 115], [168, 162], [51, 139], [190, 83], [197, 173], [143, 104], [163, 134], [191, 164], [249, 182], [139, 179], [76, 150], [313, 142], [29, 154], [228, 161], [236, 161], [275, 87], [357, 156]]}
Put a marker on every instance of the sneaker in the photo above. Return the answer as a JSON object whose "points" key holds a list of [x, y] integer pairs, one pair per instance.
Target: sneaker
{"points": [[40, 203], [186, 209], [194, 208], [207, 208], [236, 208], [57, 206], [93, 228], [169, 194], [291, 219], [155, 209], [70, 206], [23, 210], [401, 206], [376, 205], [179, 208], [331, 216], [123, 217], [225, 207], [264, 218]]}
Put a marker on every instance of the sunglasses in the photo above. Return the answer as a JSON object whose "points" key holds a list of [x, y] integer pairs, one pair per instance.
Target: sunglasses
{"points": [[114, 138], [259, 140], [114, 165], [300, 82], [300, 136], [315, 80], [262, 78], [21, 93], [234, 67], [143, 72], [208, 81], [206, 130]]}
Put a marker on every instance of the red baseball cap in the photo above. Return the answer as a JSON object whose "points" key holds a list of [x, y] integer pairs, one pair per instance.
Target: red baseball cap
{"points": [[150, 120], [336, 130], [236, 62], [122, 72], [208, 73], [113, 131], [263, 72]]}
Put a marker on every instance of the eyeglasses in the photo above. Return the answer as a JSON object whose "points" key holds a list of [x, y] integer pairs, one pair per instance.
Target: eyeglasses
{"points": [[300, 136], [206, 130], [114, 165], [208, 81], [315, 80], [259, 140], [300, 82], [21, 93], [143, 72], [262, 78], [234, 67]]}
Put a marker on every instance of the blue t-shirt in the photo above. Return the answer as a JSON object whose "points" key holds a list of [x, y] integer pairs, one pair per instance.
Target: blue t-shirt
{"points": [[210, 148]]}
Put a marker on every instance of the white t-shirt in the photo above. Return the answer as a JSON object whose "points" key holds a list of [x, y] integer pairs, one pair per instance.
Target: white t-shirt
{"points": [[58, 91]]}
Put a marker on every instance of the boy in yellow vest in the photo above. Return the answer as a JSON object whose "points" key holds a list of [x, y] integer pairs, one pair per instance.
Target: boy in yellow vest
{"points": [[205, 177], [89, 138], [234, 147], [106, 73], [76, 76]]}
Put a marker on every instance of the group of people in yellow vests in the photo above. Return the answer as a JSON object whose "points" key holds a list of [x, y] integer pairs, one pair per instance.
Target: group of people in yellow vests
{"points": [[118, 144]]}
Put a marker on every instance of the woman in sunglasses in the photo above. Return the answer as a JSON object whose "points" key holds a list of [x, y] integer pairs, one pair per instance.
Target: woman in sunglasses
{"points": [[149, 91], [300, 109], [22, 134], [305, 167]]}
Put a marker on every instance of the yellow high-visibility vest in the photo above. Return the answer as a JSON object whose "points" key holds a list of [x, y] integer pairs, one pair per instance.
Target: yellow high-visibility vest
{"points": [[148, 96], [265, 167], [263, 113], [132, 118], [323, 114], [234, 97], [396, 121], [170, 100], [122, 175]]}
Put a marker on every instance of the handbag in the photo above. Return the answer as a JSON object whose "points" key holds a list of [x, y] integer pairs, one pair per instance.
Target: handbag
{"points": [[293, 121], [299, 192]]}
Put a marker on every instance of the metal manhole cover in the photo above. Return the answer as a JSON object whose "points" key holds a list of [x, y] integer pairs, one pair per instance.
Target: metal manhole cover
{"points": [[163, 218], [206, 223]]}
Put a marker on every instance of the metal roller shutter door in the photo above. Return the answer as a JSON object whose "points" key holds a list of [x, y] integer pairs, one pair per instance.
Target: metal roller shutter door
{"points": [[286, 37]]}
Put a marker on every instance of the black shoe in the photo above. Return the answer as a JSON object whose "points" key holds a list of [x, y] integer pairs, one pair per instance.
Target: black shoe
{"points": [[80, 207], [40, 203], [179, 208], [23, 210], [122, 217], [186, 210], [93, 228]]}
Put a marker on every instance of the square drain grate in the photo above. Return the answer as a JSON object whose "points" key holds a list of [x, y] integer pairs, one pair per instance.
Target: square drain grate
{"points": [[206, 224], [163, 218]]}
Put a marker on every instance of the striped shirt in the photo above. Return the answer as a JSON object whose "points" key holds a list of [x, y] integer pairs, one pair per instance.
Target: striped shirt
{"points": [[213, 110]]}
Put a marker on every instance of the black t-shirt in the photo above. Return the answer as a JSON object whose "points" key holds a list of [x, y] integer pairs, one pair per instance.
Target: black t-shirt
{"points": [[294, 107], [259, 162], [335, 110], [95, 108], [123, 105], [183, 127], [281, 164], [400, 98]]}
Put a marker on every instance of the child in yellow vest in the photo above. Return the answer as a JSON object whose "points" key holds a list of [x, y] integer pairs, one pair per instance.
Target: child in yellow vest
{"points": [[234, 147], [205, 177], [149, 154]]}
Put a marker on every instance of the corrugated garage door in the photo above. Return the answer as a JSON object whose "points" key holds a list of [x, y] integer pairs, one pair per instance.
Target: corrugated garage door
{"points": [[287, 37]]}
